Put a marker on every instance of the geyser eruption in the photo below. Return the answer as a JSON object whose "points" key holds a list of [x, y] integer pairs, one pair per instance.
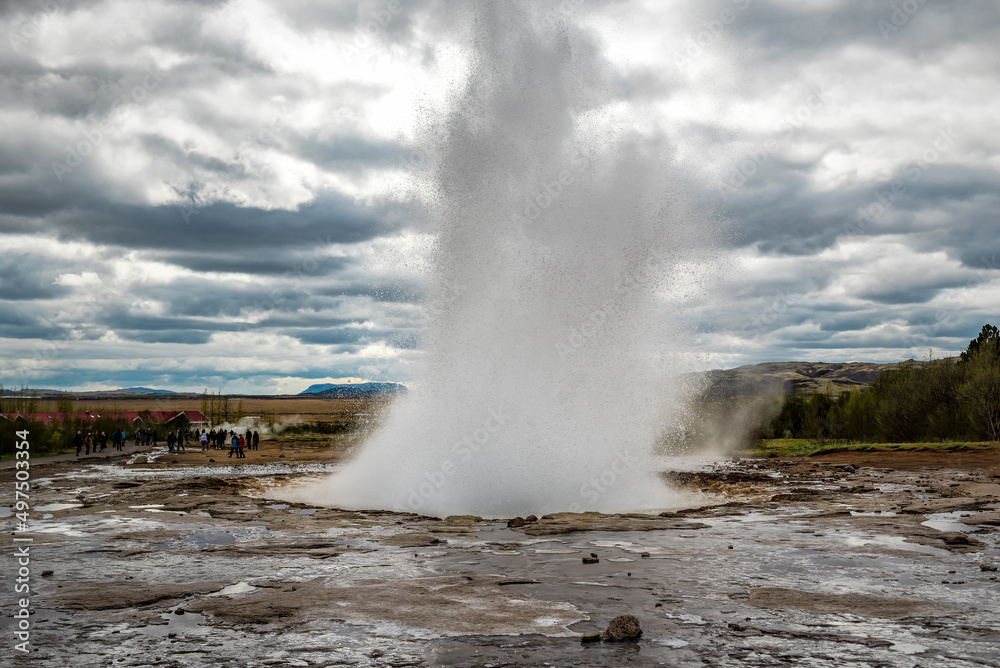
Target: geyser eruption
{"points": [[562, 240]]}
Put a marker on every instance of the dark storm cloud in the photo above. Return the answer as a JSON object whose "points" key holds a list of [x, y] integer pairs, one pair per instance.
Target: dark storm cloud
{"points": [[288, 262], [218, 227], [27, 277], [187, 336], [781, 212]]}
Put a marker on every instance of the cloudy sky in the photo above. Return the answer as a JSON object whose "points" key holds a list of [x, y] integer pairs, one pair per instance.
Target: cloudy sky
{"points": [[221, 194]]}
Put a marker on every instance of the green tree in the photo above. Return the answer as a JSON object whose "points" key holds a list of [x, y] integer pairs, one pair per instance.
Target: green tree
{"points": [[988, 341], [980, 390]]}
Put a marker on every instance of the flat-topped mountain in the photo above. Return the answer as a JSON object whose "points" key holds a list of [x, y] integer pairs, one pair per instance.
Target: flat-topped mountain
{"points": [[351, 389], [801, 377]]}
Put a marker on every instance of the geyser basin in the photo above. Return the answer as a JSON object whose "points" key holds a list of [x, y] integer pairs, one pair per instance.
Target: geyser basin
{"points": [[564, 240]]}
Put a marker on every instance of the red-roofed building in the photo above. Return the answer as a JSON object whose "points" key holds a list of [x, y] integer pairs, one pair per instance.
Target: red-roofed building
{"points": [[84, 417]]}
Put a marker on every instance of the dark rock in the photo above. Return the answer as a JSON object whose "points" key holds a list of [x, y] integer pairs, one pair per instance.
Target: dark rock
{"points": [[591, 560], [622, 628], [281, 456], [958, 538], [516, 522], [983, 567], [590, 636], [46, 574], [594, 555], [173, 461], [211, 460], [645, 555], [179, 611], [530, 518]]}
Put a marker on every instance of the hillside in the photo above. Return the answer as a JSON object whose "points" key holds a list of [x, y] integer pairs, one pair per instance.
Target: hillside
{"points": [[351, 389], [788, 377]]}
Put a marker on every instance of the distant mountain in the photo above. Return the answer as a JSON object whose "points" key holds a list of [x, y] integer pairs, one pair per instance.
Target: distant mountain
{"points": [[96, 394], [141, 390], [788, 377], [351, 389]]}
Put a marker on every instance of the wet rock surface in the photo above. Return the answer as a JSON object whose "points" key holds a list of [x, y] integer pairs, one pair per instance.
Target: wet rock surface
{"points": [[621, 629], [821, 563]]}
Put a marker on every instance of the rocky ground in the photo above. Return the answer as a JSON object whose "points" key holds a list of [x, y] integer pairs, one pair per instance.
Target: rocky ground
{"points": [[875, 562]]}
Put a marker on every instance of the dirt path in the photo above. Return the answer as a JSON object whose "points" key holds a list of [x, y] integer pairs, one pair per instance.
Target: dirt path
{"points": [[108, 453]]}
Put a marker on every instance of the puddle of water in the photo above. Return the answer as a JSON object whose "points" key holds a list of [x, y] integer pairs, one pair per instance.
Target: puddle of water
{"points": [[57, 527], [6, 512], [686, 619], [236, 589], [675, 643], [51, 507], [908, 648], [278, 506], [210, 538], [896, 542], [948, 521], [179, 624]]}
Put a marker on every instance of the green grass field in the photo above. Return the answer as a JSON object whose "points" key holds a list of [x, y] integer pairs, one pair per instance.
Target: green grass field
{"points": [[803, 447]]}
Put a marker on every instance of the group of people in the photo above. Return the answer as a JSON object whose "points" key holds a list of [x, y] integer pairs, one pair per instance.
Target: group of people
{"points": [[176, 440], [98, 441], [145, 436], [236, 442]]}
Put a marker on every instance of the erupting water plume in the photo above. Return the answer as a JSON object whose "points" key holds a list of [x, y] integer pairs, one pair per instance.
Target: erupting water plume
{"points": [[550, 370]]}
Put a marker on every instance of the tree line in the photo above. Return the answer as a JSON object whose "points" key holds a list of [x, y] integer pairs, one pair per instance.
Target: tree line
{"points": [[954, 399]]}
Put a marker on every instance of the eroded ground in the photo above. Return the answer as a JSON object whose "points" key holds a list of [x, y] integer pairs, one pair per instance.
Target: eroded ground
{"points": [[880, 562]]}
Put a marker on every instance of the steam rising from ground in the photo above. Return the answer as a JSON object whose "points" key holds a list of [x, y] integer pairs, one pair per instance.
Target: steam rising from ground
{"points": [[563, 237]]}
